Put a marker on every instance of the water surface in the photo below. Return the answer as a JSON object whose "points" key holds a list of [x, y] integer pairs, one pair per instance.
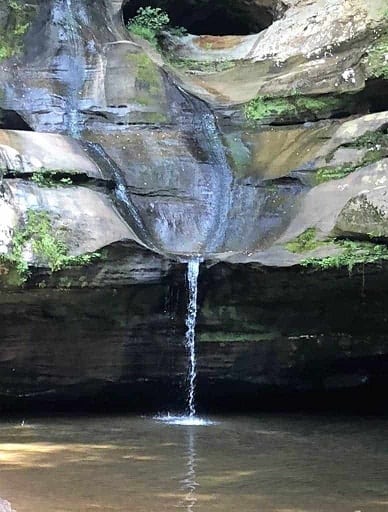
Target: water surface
{"points": [[238, 464]]}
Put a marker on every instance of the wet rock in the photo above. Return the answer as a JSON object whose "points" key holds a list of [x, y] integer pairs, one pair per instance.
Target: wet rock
{"points": [[86, 219], [29, 152]]}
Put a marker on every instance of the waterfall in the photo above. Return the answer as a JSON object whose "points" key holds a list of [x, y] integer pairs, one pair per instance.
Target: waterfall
{"points": [[192, 279], [190, 419], [75, 76], [99, 155]]}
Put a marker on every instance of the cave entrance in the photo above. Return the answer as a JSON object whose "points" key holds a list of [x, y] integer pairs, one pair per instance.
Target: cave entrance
{"points": [[212, 17], [11, 120]]}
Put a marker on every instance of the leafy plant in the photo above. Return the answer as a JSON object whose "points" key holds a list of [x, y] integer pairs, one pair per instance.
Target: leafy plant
{"points": [[352, 253], [49, 178], [39, 236], [149, 22]]}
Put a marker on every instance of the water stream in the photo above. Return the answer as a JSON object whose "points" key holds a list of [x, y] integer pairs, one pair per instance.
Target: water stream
{"points": [[75, 69], [191, 319]]}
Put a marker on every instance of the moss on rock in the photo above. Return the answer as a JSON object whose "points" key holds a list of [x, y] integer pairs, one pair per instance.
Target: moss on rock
{"points": [[377, 62], [306, 241], [294, 107]]}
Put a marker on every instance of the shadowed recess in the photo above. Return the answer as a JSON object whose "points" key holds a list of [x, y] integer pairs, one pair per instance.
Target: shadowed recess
{"points": [[212, 17]]}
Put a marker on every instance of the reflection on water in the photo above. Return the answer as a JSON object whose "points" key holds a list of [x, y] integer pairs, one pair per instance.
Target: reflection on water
{"points": [[189, 483], [247, 464]]}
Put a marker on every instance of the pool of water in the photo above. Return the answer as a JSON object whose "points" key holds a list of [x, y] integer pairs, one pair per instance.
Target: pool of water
{"points": [[260, 463]]}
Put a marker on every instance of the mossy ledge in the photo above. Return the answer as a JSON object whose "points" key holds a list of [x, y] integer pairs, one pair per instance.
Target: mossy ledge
{"points": [[37, 235], [268, 109], [350, 252], [376, 144]]}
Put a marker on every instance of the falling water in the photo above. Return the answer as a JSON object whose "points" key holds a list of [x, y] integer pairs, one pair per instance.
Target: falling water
{"points": [[75, 76], [192, 279], [190, 419]]}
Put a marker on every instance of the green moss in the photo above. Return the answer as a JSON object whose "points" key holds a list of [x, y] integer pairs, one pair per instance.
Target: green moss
{"points": [[352, 253], [148, 78], [233, 337], [215, 66], [293, 106], [48, 247], [378, 58], [306, 241], [377, 145], [334, 173], [370, 140], [18, 22]]}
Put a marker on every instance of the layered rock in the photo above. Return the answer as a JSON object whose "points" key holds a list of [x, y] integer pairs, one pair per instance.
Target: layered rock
{"points": [[139, 174]]}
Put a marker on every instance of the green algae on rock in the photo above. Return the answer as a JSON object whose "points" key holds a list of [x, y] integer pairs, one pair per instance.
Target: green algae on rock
{"points": [[295, 107]]}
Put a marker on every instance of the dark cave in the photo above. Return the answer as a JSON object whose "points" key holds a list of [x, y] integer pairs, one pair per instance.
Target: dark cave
{"points": [[209, 17]]}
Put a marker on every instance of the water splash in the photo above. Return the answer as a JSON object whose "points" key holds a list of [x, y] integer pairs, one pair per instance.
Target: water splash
{"points": [[191, 319], [184, 420]]}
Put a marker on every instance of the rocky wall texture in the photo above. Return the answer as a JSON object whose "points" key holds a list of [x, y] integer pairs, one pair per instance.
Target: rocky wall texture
{"points": [[265, 154]]}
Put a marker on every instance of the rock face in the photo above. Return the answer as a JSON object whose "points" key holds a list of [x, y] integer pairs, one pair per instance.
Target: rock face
{"points": [[264, 153]]}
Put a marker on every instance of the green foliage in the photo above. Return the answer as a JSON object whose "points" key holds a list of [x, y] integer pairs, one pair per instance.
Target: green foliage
{"points": [[306, 241], [294, 106], [18, 22], [144, 32], [48, 247], [378, 58], [49, 178], [352, 253], [178, 31], [148, 23]]}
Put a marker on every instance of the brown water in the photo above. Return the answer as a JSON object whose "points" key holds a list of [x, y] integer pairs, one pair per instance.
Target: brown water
{"points": [[241, 464]]}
